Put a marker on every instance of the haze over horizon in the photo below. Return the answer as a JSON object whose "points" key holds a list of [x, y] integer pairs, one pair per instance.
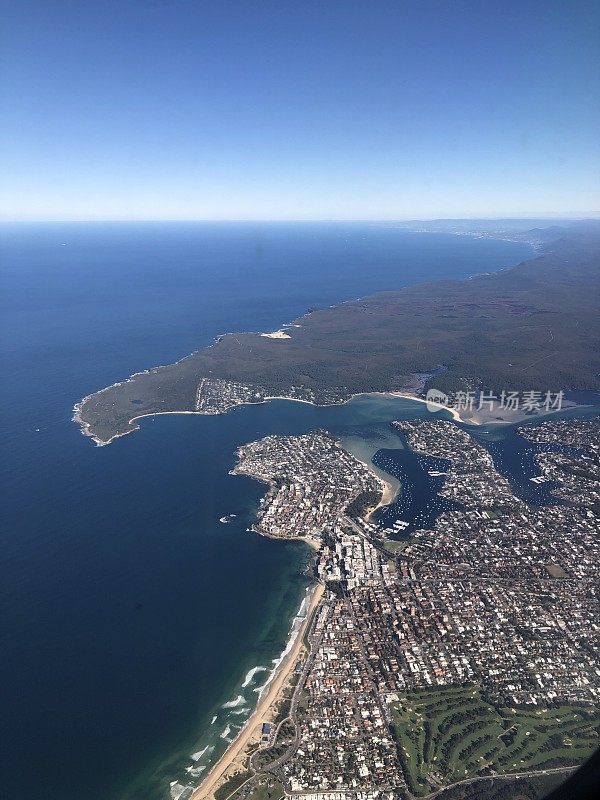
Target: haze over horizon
{"points": [[283, 110]]}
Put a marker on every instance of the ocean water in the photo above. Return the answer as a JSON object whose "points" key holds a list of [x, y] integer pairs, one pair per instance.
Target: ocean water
{"points": [[130, 616]]}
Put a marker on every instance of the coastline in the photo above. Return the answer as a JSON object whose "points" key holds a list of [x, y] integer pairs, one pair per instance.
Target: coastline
{"points": [[389, 491], [279, 333], [85, 426], [456, 416], [388, 496], [103, 489], [312, 543], [250, 731], [471, 417], [466, 417]]}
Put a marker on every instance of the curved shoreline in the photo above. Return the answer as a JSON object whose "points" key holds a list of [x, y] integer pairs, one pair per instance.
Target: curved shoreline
{"points": [[229, 759], [468, 417], [85, 426], [219, 770]]}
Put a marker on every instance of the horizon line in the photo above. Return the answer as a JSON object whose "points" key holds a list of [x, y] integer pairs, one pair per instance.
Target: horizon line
{"points": [[590, 216]]}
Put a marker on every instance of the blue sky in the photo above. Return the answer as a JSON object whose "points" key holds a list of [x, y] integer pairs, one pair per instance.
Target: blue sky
{"points": [[280, 109]]}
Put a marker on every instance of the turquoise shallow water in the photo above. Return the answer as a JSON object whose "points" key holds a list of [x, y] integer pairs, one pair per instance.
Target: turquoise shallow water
{"points": [[130, 615], [251, 587], [362, 417]]}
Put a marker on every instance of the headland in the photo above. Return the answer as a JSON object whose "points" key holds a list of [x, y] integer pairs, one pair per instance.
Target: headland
{"points": [[530, 327]]}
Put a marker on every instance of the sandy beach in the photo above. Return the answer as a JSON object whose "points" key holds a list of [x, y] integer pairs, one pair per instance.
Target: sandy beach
{"points": [[388, 495], [232, 759], [280, 334], [86, 431], [455, 414], [469, 417], [474, 416], [314, 542]]}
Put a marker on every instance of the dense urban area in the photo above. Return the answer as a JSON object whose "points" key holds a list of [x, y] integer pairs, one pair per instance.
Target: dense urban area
{"points": [[462, 662], [311, 479]]}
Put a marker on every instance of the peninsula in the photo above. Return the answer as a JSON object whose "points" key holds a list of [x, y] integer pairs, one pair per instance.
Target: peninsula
{"points": [[466, 662], [530, 327], [467, 653]]}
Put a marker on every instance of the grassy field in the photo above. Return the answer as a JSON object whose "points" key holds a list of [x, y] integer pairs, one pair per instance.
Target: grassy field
{"points": [[231, 784], [447, 735], [393, 546]]}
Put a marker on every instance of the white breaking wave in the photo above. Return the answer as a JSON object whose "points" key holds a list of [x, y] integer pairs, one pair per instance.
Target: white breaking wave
{"points": [[243, 710], [294, 630], [195, 772], [177, 789], [213, 720], [303, 607], [197, 756], [226, 732], [249, 677], [239, 700]]}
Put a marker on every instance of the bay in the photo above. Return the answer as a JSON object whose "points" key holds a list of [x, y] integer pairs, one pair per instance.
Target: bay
{"points": [[130, 614]]}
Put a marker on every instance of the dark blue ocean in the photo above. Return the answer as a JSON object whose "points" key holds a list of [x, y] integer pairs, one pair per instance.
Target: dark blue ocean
{"points": [[129, 614]]}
